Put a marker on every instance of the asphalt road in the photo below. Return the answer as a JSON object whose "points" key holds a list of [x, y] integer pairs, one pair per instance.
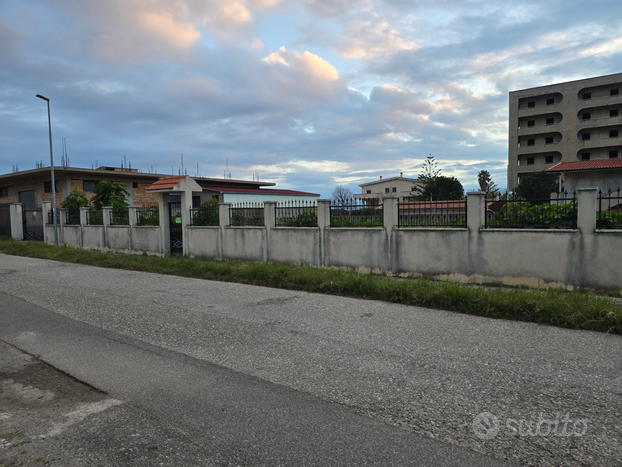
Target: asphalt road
{"points": [[257, 376]]}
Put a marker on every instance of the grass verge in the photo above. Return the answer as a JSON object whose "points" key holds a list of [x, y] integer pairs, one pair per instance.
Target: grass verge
{"points": [[556, 307]]}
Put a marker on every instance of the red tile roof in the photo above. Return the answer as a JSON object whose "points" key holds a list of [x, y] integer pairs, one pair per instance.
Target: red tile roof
{"points": [[258, 190], [165, 183], [587, 165]]}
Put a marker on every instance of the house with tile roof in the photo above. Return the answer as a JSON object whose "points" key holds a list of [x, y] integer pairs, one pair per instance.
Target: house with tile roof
{"points": [[603, 174]]}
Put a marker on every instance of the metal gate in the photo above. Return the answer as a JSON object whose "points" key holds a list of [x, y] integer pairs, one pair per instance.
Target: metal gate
{"points": [[177, 239], [33, 224], [5, 219]]}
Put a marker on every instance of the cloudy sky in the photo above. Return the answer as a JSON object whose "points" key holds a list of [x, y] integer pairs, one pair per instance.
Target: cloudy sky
{"points": [[309, 94]]}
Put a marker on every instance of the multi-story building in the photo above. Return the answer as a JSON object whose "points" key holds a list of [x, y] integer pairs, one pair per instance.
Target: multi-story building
{"points": [[405, 188], [566, 122]]}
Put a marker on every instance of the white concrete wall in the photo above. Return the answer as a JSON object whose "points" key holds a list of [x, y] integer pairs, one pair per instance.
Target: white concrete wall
{"points": [[583, 257]]}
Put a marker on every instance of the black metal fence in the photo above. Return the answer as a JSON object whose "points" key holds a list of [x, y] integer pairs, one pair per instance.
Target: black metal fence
{"points": [[5, 220], [512, 212], [120, 216], [206, 215], [148, 215], [609, 210], [296, 214], [246, 214], [72, 217], [355, 213], [94, 217], [445, 213], [50, 219]]}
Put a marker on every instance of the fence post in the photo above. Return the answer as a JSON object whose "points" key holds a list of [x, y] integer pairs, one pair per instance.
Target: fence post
{"points": [[165, 219], [107, 215], [83, 213], [323, 222], [133, 214], [475, 210], [17, 221], [269, 220], [389, 212], [586, 210], [46, 207], [223, 215]]}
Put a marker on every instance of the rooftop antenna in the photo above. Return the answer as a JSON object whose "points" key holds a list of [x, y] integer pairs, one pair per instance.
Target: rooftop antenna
{"points": [[125, 161], [130, 166], [96, 163], [182, 161], [226, 168]]}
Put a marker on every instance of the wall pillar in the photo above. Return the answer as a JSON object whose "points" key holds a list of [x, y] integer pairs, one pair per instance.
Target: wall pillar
{"points": [[323, 223], [133, 212], [586, 210], [83, 216], [165, 219], [107, 217], [46, 208], [61, 225], [186, 204], [390, 221], [269, 218], [475, 211], [17, 221]]}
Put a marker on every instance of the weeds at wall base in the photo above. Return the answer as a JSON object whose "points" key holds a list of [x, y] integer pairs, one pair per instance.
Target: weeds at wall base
{"points": [[556, 307]]}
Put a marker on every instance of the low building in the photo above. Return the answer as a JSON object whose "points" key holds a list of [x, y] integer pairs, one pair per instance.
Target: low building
{"points": [[405, 188]]}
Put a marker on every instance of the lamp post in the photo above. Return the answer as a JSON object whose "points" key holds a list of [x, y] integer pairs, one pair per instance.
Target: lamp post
{"points": [[52, 168]]}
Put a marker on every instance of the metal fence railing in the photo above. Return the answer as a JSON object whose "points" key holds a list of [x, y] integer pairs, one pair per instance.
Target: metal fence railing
{"points": [[206, 215], [246, 214], [355, 213], [50, 219], [296, 214], [72, 217], [512, 212], [148, 215], [94, 217], [443, 213], [609, 214], [120, 216]]}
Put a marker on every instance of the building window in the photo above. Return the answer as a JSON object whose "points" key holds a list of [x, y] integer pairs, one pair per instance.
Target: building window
{"points": [[369, 192], [531, 123], [386, 190], [531, 104], [586, 116], [4, 192], [413, 188], [613, 113], [613, 133], [88, 186], [550, 121], [585, 156], [531, 142], [134, 184], [550, 101], [614, 92], [613, 154], [549, 140], [531, 161], [587, 95], [394, 190], [585, 136], [47, 186], [548, 159]]}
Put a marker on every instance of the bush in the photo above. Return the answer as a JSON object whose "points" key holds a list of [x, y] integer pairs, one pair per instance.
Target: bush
{"points": [[207, 214], [306, 218]]}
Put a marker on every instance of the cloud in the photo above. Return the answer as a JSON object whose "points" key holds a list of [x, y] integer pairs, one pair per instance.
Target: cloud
{"points": [[364, 39]]}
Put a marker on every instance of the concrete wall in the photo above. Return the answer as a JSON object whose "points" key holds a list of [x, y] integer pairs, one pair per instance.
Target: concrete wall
{"points": [[583, 257]]}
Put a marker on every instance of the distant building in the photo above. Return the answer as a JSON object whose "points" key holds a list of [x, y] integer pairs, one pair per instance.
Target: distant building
{"points": [[404, 188], [564, 123], [604, 174], [32, 187]]}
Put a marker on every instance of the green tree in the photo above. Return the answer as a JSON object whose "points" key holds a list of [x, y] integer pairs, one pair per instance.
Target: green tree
{"points": [[442, 188], [73, 202], [107, 193], [207, 213], [429, 169], [537, 186], [487, 185]]}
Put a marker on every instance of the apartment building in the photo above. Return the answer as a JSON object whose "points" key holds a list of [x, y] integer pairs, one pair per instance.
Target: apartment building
{"points": [[566, 122]]}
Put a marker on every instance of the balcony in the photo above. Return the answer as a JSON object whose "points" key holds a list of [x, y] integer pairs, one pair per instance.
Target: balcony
{"points": [[539, 129]]}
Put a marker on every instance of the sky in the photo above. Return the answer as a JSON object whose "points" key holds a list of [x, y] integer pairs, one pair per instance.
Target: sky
{"points": [[308, 94]]}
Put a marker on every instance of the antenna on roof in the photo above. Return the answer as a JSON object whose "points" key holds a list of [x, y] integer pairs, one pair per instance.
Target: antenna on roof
{"points": [[182, 161], [96, 163], [198, 170]]}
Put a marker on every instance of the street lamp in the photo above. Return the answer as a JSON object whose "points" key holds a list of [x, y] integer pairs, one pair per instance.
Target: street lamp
{"points": [[52, 167]]}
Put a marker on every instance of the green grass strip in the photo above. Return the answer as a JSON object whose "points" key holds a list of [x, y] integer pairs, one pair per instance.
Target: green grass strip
{"points": [[557, 307]]}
